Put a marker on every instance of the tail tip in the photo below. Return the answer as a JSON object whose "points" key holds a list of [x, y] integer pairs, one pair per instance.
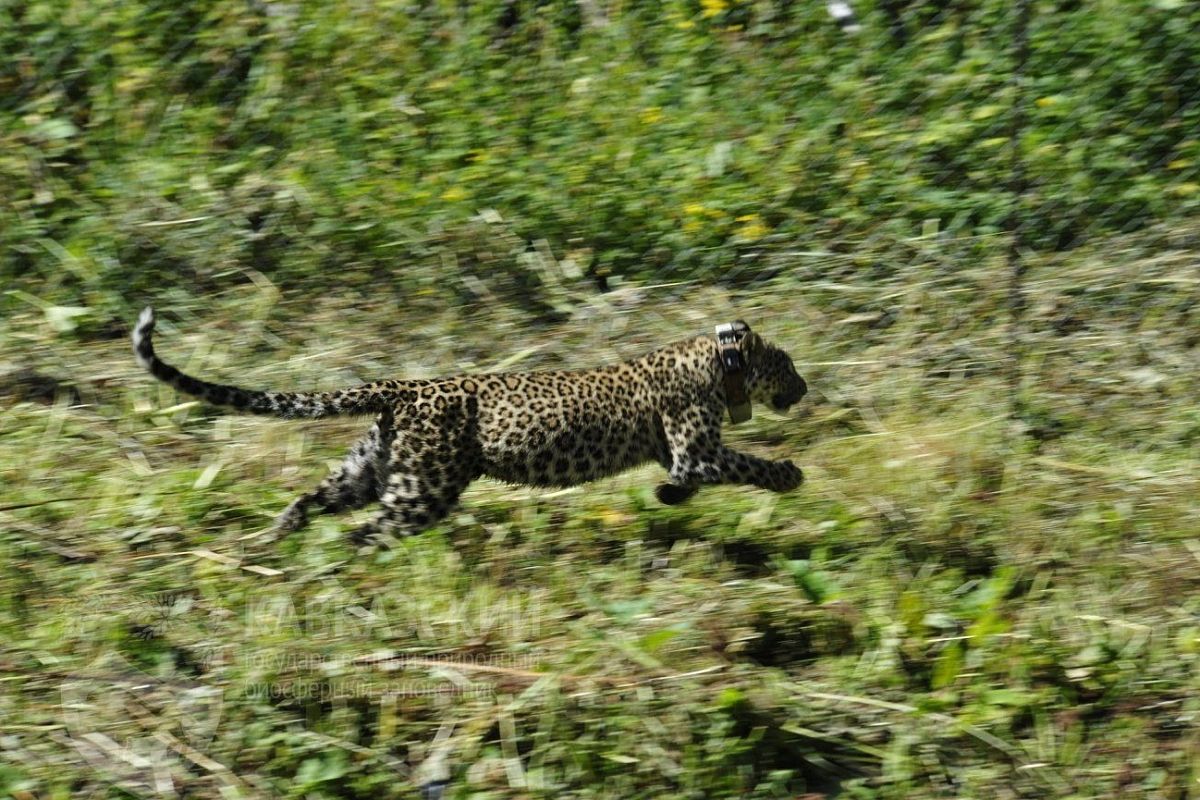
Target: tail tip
{"points": [[141, 335]]}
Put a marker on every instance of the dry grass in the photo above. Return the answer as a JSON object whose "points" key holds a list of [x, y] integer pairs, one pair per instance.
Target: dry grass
{"points": [[953, 605]]}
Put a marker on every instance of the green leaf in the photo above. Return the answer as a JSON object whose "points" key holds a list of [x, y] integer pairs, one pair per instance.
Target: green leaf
{"points": [[57, 128], [817, 585], [1013, 698], [654, 641], [323, 769], [62, 318], [620, 759], [948, 665], [730, 697]]}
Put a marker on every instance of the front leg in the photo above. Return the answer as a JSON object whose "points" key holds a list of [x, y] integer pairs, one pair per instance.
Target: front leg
{"points": [[695, 456], [672, 494], [723, 465]]}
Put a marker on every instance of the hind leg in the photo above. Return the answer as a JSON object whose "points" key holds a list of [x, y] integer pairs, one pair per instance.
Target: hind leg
{"points": [[410, 505], [358, 481], [422, 487]]}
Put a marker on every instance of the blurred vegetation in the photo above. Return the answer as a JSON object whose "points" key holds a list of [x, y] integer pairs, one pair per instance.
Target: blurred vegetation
{"points": [[956, 604], [948, 608], [147, 143]]}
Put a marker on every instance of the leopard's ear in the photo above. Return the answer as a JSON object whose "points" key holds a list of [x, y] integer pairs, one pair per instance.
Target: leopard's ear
{"points": [[751, 344]]}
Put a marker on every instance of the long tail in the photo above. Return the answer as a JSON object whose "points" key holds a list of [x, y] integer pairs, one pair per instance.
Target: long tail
{"points": [[366, 399]]}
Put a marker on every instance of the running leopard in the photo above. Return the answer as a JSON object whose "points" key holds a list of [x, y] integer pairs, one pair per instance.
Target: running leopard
{"points": [[431, 438]]}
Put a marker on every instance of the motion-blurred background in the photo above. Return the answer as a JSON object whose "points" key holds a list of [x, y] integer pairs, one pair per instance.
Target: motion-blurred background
{"points": [[973, 223]]}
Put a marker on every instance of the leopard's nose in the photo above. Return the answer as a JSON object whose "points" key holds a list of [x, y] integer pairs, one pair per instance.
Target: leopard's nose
{"points": [[785, 400]]}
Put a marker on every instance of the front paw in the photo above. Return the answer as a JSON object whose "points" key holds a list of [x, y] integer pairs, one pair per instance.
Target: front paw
{"points": [[672, 494], [788, 477]]}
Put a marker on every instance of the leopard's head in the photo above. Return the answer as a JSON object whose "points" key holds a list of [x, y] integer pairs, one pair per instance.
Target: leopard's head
{"points": [[771, 377]]}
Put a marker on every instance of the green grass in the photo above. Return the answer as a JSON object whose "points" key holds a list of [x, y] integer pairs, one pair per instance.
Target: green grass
{"points": [[148, 144], [952, 606], [956, 604]]}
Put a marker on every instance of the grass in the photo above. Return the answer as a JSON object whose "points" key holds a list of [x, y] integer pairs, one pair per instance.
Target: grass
{"points": [[954, 605], [150, 145]]}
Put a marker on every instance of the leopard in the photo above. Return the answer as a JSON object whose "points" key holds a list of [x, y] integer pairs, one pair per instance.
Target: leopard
{"points": [[432, 437]]}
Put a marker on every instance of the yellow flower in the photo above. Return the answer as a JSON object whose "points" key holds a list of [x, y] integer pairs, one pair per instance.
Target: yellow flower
{"points": [[713, 7], [752, 227], [454, 194], [652, 115]]}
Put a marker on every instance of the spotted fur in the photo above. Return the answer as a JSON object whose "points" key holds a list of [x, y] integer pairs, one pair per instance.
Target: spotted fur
{"points": [[431, 438]]}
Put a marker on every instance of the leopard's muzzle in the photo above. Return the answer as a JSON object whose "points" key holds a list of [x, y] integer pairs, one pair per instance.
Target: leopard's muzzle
{"points": [[785, 400]]}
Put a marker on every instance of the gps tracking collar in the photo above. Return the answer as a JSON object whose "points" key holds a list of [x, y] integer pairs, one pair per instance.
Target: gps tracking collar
{"points": [[729, 336]]}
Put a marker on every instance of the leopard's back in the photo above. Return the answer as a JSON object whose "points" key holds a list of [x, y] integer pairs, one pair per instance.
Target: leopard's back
{"points": [[567, 428]]}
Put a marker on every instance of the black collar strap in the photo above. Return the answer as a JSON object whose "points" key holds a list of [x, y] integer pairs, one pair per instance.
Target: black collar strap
{"points": [[729, 336]]}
